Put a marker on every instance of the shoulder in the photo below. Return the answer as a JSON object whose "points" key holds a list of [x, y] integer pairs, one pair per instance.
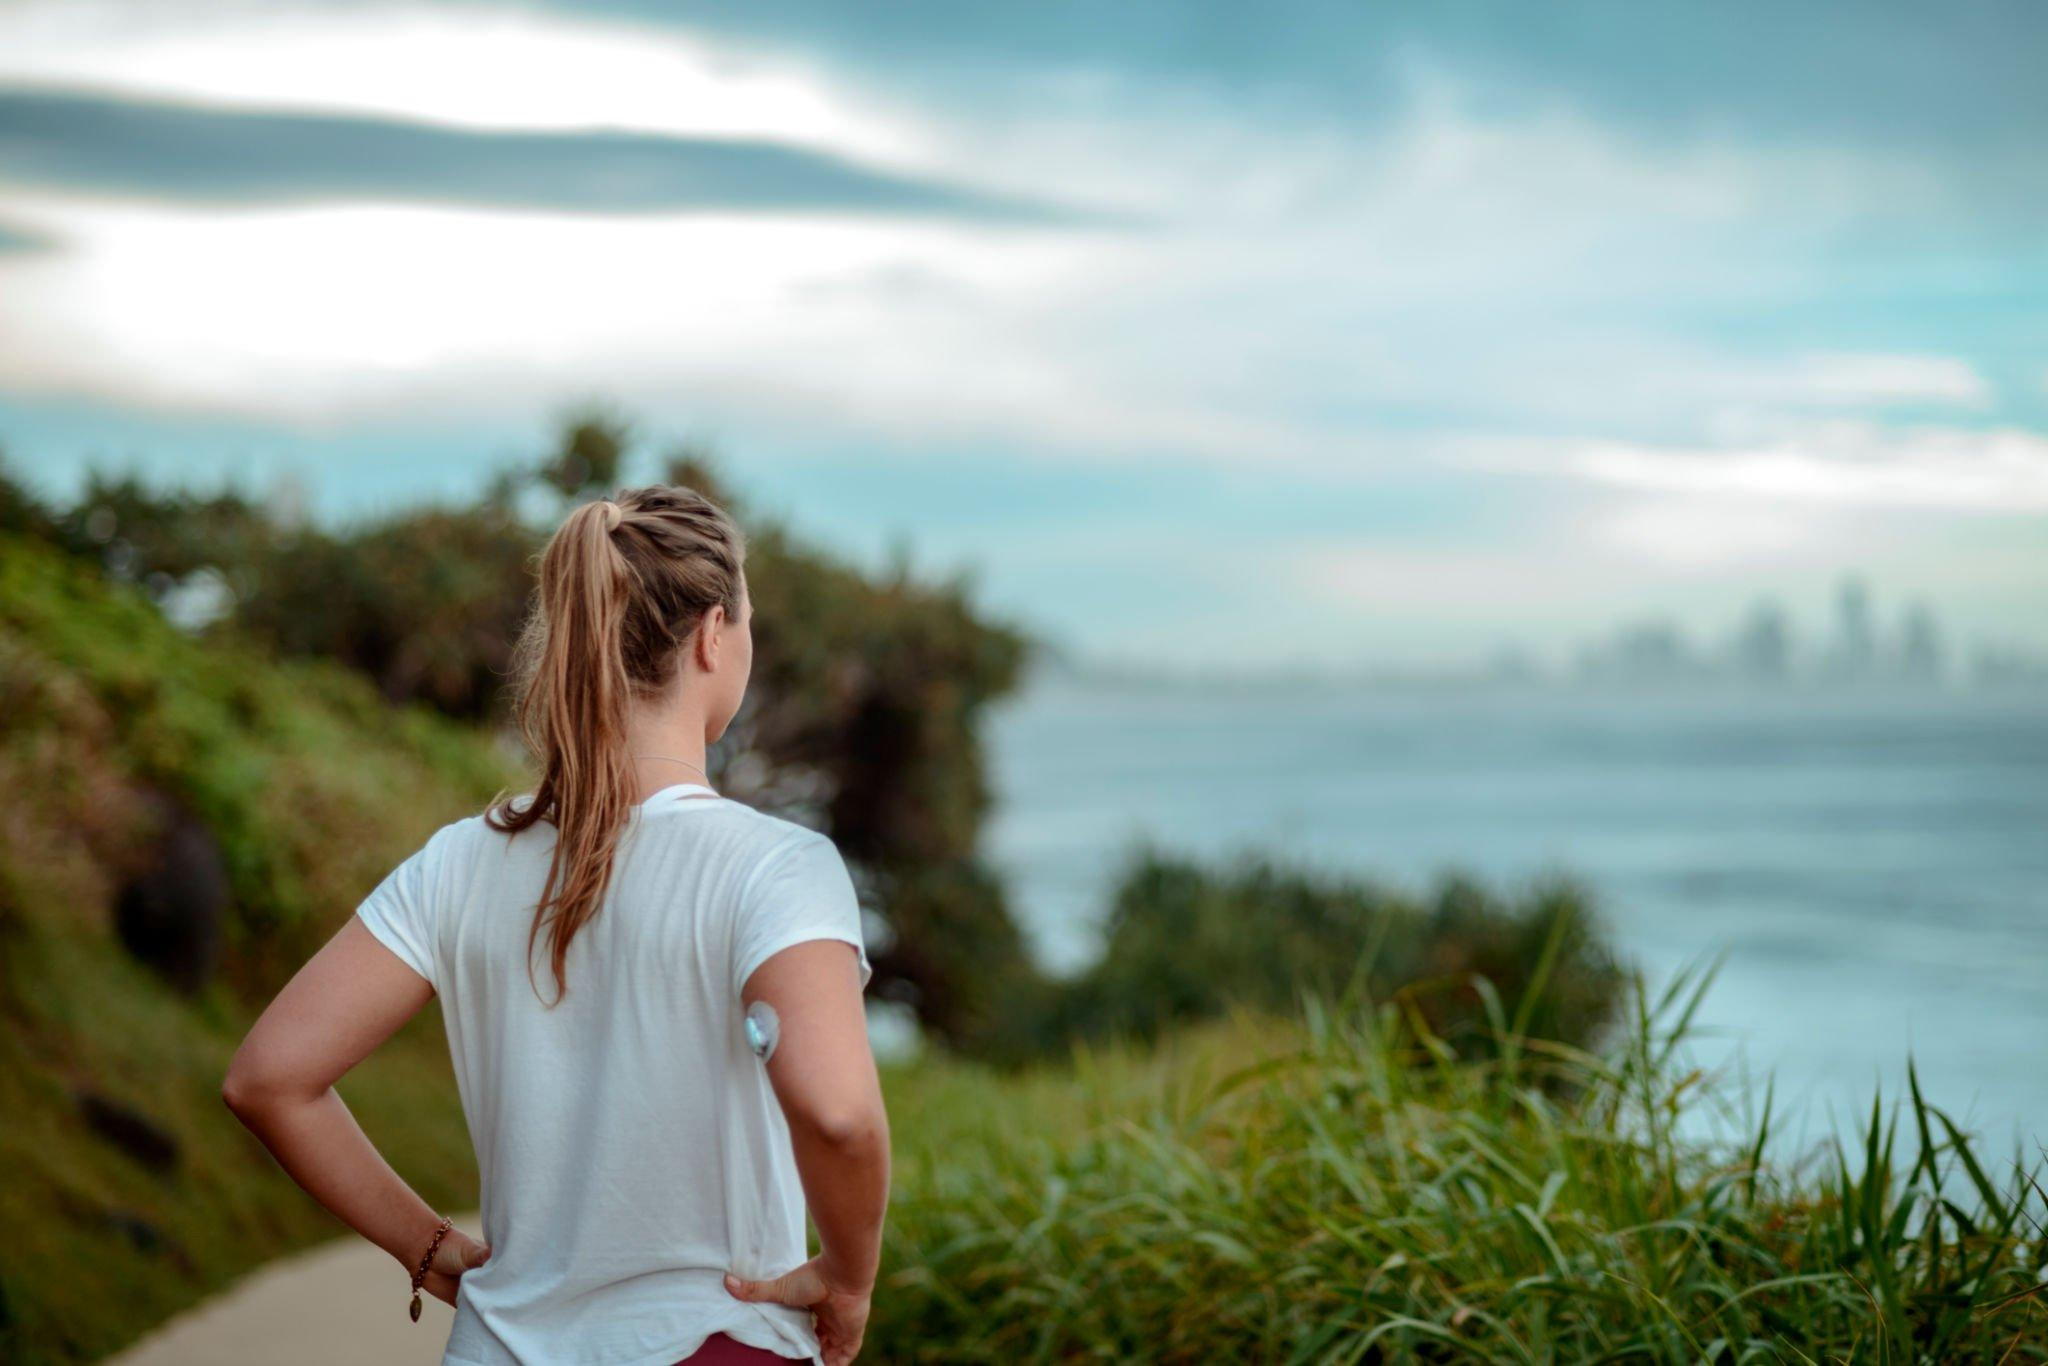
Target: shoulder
{"points": [[468, 840], [770, 851], [467, 832], [768, 838]]}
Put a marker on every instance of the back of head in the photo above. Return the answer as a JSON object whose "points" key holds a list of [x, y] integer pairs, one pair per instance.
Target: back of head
{"points": [[624, 583]]}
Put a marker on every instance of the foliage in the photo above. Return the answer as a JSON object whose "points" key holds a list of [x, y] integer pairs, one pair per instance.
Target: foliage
{"points": [[313, 787], [1184, 941], [1348, 1187], [426, 603]]}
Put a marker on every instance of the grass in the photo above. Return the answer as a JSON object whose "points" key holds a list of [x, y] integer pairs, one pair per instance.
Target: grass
{"points": [[1361, 1191], [313, 786]]}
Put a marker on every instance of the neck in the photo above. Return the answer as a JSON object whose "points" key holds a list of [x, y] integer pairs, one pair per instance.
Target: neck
{"points": [[676, 735]]}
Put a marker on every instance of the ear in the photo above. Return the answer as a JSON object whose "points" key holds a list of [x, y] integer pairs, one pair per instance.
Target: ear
{"points": [[710, 631]]}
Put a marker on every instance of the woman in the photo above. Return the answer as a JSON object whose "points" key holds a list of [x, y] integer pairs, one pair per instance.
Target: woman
{"points": [[646, 1147]]}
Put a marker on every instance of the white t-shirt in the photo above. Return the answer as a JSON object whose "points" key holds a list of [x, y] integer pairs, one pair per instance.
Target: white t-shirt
{"points": [[630, 1146]]}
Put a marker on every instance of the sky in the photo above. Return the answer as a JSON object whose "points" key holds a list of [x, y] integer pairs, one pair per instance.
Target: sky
{"points": [[1199, 335]]}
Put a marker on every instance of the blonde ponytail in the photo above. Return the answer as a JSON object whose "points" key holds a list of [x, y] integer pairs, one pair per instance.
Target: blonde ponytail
{"points": [[623, 583]]}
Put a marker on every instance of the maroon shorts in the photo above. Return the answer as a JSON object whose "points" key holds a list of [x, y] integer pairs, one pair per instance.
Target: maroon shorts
{"points": [[720, 1350]]}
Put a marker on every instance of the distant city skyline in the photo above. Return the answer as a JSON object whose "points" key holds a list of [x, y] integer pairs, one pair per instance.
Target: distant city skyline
{"points": [[1860, 643]]}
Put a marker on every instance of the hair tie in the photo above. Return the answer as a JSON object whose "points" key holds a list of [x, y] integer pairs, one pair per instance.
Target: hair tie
{"points": [[613, 515]]}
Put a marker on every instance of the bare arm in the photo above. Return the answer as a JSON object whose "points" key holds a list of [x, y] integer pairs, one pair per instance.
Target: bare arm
{"points": [[823, 1073], [349, 997]]}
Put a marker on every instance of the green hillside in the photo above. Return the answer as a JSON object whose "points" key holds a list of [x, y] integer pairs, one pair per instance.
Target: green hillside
{"points": [[130, 1191]]}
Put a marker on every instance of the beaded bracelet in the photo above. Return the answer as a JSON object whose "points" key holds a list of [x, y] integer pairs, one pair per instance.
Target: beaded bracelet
{"points": [[419, 1276]]}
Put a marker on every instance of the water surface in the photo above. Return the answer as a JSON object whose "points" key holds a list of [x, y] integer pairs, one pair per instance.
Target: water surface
{"points": [[1875, 867]]}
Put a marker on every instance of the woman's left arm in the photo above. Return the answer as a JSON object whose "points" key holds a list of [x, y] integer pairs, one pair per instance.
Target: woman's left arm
{"points": [[349, 997]]}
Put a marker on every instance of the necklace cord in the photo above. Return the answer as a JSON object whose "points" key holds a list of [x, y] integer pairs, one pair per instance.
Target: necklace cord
{"points": [[669, 758]]}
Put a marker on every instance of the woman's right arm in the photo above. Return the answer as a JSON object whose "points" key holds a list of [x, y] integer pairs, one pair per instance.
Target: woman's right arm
{"points": [[823, 1073]]}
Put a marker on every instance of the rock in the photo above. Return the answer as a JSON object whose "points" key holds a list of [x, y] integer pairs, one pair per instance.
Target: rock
{"points": [[128, 1129], [170, 910], [144, 1235]]}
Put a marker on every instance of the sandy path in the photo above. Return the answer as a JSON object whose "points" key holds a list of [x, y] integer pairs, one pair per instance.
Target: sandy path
{"points": [[340, 1304]]}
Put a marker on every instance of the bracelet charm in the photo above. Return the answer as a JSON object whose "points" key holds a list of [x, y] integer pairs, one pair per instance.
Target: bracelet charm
{"points": [[419, 1275]]}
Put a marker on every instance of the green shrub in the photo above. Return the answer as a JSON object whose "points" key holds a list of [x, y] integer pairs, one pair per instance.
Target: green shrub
{"points": [[1184, 940]]}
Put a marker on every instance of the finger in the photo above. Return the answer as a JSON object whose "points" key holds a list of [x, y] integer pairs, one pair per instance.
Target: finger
{"points": [[789, 1289], [770, 1291], [459, 1254]]}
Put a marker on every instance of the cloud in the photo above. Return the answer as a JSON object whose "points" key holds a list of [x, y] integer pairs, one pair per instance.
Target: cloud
{"points": [[476, 66], [1399, 582], [19, 240], [1709, 534], [185, 152], [331, 312], [1957, 84], [2001, 470], [1883, 380]]}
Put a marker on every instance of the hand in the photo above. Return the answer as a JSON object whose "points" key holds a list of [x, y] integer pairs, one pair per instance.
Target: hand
{"points": [[841, 1312], [458, 1253]]}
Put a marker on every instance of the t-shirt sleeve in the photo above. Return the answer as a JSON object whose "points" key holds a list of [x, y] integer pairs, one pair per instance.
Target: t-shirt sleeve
{"points": [[399, 910], [803, 892]]}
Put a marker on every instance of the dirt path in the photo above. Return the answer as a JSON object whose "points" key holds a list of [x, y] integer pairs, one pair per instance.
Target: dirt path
{"points": [[341, 1304]]}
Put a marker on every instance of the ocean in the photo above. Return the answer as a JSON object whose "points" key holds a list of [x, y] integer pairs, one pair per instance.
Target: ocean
{"points": [[1874, 867]]}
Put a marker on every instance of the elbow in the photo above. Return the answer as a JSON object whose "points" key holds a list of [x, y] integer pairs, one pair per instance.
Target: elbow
{"points": [[237, 1094], [854, 1129], [247, 1090]]}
